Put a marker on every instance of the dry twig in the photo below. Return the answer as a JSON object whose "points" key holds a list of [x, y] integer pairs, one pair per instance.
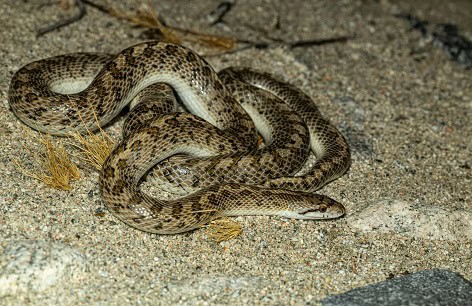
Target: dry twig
{"points": [[63, 23]]}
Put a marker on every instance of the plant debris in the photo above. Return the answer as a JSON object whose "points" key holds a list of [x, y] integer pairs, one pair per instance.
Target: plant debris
{"points": [[223, 229], [56, 169], [63, 23], [216, 16], [158, 29], [95, 148]]}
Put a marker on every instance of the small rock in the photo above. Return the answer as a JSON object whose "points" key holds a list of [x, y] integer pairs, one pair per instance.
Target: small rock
{"points": [[428, 222], [428, 287], [36, 265]]}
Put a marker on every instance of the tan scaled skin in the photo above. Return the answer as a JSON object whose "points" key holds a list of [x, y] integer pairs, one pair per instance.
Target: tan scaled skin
{"points": [[40, 96], [289, 112]]}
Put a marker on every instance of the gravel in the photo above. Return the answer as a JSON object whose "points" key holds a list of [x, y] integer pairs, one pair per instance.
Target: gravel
{"points": [[404, 106]]}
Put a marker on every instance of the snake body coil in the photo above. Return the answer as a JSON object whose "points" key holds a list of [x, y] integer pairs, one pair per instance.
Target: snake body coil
{"points": [[61, 94]]}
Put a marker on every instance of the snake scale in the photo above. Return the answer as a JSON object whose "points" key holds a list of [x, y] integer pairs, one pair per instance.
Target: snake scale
{"points": [[210, 154]]}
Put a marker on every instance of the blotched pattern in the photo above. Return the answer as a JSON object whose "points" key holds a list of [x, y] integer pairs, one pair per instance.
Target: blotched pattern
{"points": [[41, 96]]}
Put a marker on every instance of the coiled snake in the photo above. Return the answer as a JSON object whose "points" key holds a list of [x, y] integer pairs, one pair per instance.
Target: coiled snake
{"points": [[61, 94]]}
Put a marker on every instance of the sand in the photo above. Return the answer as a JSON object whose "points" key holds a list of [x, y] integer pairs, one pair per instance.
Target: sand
{"points": [[403, 105]]}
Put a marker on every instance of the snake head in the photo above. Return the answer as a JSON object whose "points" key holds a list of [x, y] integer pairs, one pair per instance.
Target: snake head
{"points": [[321, 207]]}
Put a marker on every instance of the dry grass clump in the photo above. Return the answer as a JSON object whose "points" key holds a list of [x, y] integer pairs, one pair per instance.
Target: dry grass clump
{"points": [[55, 167], [95, 148], [223, 229], [148, 18]]}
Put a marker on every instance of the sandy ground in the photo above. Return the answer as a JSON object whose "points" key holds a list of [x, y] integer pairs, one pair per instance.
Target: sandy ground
{"points": [[403, 105]]}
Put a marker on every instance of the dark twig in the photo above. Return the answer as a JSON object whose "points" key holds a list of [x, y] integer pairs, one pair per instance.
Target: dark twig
{"points": [[216, 16], [319, 42], [99, 7], [63, 23], [279, 42]]}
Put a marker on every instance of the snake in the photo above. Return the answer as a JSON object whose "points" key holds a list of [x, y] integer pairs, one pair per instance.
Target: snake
{"points": [[215, 141]]}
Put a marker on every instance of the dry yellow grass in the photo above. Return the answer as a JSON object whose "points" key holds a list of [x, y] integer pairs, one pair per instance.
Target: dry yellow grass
{"points": [[95, 148], [223, 229], [149, 19], [56, 169]]}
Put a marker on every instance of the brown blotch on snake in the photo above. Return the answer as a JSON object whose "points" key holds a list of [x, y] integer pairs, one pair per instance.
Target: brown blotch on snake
{"points": [[41, 95]]}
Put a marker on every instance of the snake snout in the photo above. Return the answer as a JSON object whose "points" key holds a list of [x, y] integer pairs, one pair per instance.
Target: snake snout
{"points": [[322, 212], [324, 208]]}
